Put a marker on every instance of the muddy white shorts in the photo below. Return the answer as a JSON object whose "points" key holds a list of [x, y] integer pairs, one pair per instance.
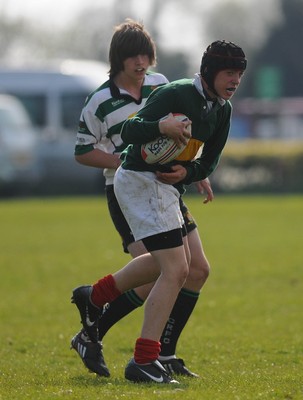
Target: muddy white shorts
{"points": [[149, 206]]}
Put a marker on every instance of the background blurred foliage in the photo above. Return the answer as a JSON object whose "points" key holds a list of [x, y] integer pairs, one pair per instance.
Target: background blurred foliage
{"points": [[268, 31]]}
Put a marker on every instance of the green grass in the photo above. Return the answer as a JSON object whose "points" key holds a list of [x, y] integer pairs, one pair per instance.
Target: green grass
{"points": [[244, 337]]}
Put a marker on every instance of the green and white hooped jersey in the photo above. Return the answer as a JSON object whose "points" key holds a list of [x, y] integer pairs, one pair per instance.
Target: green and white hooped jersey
{"points": [[104, 113]]}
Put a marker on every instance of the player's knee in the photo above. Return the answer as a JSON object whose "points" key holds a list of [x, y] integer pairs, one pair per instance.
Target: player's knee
{"points": [[199, 269], [185, 273], [181, 273]]}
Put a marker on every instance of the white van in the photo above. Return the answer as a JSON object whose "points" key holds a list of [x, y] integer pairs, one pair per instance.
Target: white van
{"points": [[53, 96], [19, 169]]}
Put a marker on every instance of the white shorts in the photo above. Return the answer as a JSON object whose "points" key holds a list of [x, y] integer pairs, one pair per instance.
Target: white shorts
{"points": [[149, 206]]}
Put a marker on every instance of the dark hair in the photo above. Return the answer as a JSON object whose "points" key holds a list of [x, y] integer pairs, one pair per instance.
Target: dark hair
{"points": [[130, 39], [218, 56]]}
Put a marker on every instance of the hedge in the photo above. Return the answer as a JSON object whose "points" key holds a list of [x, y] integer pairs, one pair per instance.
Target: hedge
{"points": [[260, 166]]}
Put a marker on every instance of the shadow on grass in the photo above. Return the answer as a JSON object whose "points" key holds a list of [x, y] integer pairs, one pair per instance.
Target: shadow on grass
{"points": [[93, 380]]}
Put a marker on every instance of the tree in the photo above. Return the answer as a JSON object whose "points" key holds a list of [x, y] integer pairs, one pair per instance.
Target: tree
{"points": [[244, 24], [281, 55], [181, 30]]}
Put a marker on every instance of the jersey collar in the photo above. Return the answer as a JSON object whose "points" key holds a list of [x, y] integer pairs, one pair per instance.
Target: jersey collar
{"points": [[198, 85], [116, 93]]}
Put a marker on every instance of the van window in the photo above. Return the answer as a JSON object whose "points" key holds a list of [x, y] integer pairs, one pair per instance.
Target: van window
{"points": [[6, 120], [35, 105], [71, 106]]}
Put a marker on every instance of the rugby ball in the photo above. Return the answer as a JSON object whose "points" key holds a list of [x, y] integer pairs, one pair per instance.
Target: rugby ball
{"points": [[163, 149]]}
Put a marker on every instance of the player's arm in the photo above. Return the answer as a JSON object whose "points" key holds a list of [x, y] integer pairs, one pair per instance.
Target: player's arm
{"points": [[88, 149], [176, 130], [147, 125], [178, 174], [136, 130], [203, 166], [204, 187], [99, 159]]}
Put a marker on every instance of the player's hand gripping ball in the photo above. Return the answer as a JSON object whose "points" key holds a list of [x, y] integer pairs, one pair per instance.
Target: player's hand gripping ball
{"points": [[163, 149]]}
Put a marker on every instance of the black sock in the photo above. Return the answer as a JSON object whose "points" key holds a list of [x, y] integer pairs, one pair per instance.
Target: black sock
{"points": [[178, 318], [117, 309]]}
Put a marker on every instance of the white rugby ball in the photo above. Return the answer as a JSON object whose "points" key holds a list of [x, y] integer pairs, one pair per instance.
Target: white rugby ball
{"points": [[163, 149]]}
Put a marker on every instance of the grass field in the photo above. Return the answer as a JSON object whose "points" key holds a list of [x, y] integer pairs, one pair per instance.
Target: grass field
{"points": [[245, 338]]}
